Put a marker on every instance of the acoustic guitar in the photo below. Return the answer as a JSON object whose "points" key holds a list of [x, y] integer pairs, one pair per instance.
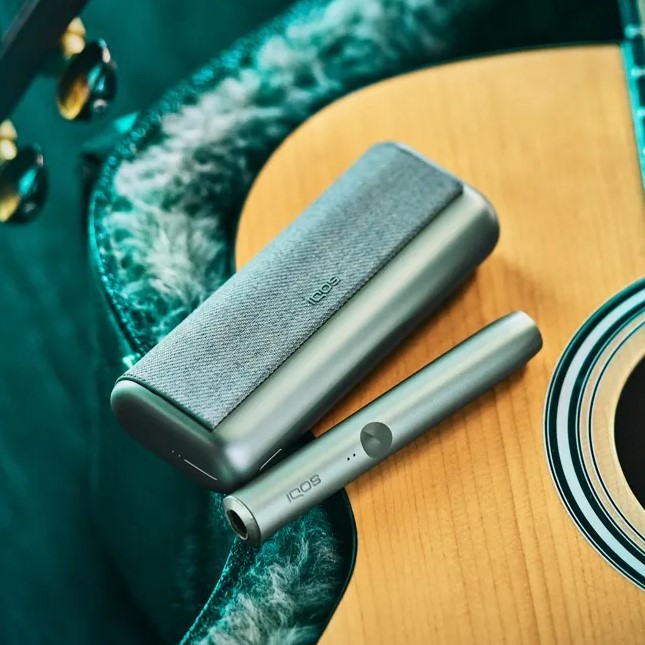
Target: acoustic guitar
{"points": [[476, 533]]}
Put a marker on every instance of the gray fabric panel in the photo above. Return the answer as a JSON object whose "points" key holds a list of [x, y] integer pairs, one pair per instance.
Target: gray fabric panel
{"points": [[218, 355]]}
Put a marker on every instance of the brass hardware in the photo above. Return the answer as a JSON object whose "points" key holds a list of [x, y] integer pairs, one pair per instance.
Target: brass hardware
{"points": [[87, 82], [8, 136], [23, 179], [73, 40]]}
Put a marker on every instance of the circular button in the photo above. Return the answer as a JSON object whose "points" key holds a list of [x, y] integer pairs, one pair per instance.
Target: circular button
{"points": [[376, 439]]}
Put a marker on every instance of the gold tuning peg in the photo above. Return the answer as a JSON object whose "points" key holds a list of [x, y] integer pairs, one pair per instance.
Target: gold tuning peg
{"points": [[73, 40], [23, 179], [8, 137], [87, 83]]}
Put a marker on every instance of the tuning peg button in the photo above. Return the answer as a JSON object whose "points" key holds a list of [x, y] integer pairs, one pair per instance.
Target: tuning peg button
{"points": [[8, 136], [73, 40], [88, 84], [23, 185]]}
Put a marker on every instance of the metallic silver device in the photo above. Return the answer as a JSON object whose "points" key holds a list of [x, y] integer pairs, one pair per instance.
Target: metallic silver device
{"points": [[372, 434], [223, 396]]}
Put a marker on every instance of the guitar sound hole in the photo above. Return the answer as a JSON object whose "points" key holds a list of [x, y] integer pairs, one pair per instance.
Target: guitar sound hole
{"points": [[630, 431]]}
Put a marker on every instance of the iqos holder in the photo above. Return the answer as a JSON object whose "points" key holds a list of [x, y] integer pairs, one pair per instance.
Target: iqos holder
{"points": [[372, 434], [262, 359]]}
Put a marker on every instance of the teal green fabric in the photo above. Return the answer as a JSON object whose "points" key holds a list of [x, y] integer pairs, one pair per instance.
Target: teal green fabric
{"points": [[58, 582]]}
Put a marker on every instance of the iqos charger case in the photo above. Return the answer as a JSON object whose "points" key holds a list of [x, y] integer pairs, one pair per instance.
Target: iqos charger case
{"points": [[264, 357]]}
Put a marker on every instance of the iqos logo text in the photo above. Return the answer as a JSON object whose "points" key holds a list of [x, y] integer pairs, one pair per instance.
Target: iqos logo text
{"points": [[303, 488], [322, 292]]}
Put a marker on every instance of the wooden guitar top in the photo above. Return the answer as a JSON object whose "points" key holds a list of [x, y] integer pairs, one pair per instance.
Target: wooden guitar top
{"points": [[462, 536]]}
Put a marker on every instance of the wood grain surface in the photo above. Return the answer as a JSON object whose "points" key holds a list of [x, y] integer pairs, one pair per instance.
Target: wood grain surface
{"points": [[462, 537]]}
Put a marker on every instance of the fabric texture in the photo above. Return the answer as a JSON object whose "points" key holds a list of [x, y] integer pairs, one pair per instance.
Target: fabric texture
{"points": [[162, 222], [240, 335]]}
